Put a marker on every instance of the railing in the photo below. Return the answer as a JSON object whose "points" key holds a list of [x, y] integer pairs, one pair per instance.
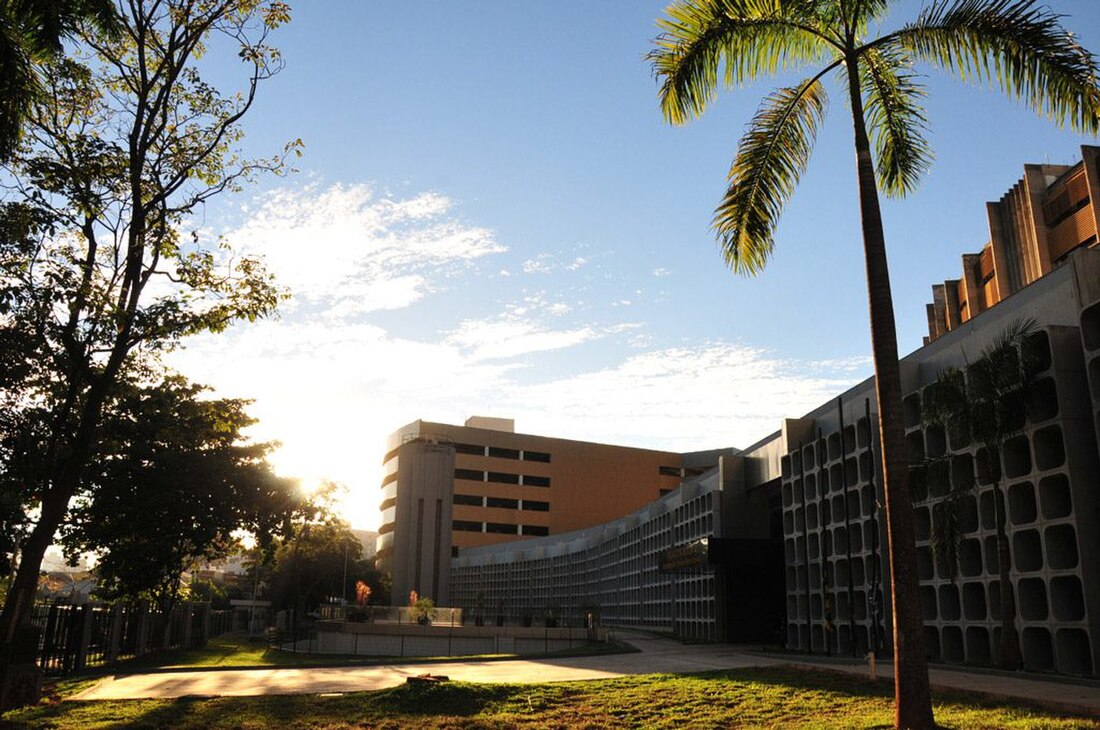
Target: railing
{"points": [[75, 638], [389, 614]]}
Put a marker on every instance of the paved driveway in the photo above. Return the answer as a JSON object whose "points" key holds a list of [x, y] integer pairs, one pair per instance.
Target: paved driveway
{"points": [[658, 655]]}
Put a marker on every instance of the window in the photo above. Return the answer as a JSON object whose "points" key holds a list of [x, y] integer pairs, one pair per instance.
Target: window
{"points": [[468, 499], [503, 453], [502, 478], [670, 471], [470, 449], [536, 456], [501, 528], [532, 481], [471, 474], [465, 526], [502, 502], [535, 506], [665, 491], [536, 530]]}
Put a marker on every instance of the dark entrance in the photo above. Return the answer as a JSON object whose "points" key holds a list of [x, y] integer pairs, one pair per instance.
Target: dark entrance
{"points": [[755, 588]]}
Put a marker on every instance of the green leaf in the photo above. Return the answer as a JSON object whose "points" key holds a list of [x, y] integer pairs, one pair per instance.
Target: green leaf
{"points": [[1018, 45], [771, 158], [895, 119], [736, 41]]}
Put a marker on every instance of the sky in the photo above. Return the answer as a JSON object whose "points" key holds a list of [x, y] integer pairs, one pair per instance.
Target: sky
{"points": [[492, 218]]}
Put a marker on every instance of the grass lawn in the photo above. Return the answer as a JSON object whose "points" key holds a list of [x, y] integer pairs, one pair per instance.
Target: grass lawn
{"points": [[766, 698]]}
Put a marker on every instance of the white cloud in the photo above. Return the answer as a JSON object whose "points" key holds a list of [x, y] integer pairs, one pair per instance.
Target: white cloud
{"points": [[682, 398], [511, 336], [331, 383], [346, 247], [538, 265]]}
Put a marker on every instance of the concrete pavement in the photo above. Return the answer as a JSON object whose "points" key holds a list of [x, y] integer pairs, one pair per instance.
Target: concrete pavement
{"points": [[658, 655]]}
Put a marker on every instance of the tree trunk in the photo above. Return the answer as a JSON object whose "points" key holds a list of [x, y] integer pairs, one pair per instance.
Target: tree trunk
{"points": [[912, 695]]}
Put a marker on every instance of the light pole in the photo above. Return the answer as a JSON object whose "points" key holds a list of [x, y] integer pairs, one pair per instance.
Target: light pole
{"points": [[344, 583]]}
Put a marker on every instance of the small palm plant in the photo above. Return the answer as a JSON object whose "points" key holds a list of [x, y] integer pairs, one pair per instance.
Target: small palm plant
{"points": [[986, 405]]}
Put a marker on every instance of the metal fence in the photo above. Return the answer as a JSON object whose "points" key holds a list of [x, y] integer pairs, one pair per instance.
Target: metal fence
{"points": [[77, 637]]}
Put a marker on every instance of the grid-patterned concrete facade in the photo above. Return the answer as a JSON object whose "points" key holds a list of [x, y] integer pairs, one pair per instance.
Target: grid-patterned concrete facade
{"points": [[814, 485], [612, 569], [836, 571]]}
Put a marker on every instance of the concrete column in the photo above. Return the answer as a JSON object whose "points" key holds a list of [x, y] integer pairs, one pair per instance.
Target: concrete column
{"points": [[969, 287], [1035, 183], [1091, 157], [997, 237]]}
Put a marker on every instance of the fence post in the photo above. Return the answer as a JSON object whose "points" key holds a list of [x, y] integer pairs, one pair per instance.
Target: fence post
{"points": [[207, 619], [141, 641], [84, 620], [188, 623], [115, 636]]}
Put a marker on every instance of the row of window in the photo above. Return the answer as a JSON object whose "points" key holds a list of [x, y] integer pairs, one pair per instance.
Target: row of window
{"points": [[474, 500], [499, 528], [503, 453], [498, 477]]}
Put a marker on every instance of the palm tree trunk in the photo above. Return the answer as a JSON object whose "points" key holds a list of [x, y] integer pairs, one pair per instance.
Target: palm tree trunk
{"points": [[912, 695]]}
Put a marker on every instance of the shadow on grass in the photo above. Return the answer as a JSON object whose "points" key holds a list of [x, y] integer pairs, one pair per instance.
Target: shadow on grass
{"points": [[769, 697]]}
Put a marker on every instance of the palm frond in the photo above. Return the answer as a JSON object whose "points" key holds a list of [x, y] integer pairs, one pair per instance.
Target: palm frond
{"points": [[895, 120], [859, 13], [1018, 45], [946, 535], [708, 43], [771, 158]]}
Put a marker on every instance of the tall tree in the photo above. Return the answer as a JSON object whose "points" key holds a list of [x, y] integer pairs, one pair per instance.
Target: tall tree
{"points": [[172, 482], [986, 404], [1018, 45], [320, 558], [31, 34], [98, 273]]}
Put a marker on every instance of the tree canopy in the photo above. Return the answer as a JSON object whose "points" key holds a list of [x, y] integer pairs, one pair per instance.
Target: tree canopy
{"points": [[100, 269], [172, 485], [31, 35]]}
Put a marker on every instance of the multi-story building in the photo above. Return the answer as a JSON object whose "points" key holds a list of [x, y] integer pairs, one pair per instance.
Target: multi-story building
{"points": [[667, 566], [790, 532], [812, 490], [448, 487], [1049, 213]]}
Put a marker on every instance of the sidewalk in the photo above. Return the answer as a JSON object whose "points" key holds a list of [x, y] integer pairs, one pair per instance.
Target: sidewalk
{"points": [[658, 655], [1062, 693]]}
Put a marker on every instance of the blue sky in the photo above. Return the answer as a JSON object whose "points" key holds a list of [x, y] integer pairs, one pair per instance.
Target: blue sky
{"points": [[492, 218]]}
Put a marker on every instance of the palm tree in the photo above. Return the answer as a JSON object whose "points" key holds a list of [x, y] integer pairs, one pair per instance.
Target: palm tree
{"points": [[1017, 45], [32, 33], [986, 405]]}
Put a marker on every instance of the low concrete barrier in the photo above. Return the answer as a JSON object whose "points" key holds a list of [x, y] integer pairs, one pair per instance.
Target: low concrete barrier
{"points": [[407, 640]]}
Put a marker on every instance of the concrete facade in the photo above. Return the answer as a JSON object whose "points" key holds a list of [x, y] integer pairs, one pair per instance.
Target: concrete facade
{"points": [[815, 484], [1052, 211], [813, 487]]}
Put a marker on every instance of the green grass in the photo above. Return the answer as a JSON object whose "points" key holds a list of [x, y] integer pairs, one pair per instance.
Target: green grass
{"points": [[233, 651], [764, 698]]}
